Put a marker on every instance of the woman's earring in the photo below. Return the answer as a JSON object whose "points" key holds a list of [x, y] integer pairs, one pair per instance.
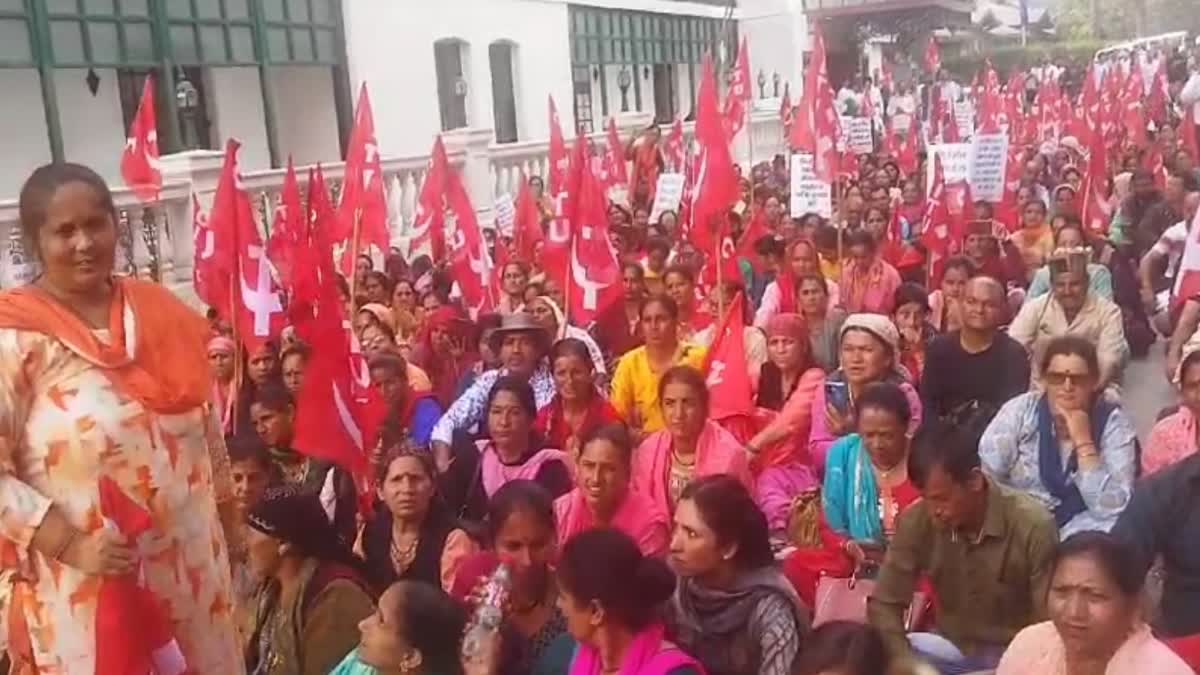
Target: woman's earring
{"points": [[411, 661]]}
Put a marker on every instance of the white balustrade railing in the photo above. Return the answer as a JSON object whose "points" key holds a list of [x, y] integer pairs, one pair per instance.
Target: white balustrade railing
{"points": [[156, 240]]}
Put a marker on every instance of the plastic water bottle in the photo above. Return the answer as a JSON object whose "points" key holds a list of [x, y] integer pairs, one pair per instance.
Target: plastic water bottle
{"points": [[489, 614]]}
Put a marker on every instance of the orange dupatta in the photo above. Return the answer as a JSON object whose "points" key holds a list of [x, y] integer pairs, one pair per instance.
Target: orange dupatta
{"points": [[168, 372]]}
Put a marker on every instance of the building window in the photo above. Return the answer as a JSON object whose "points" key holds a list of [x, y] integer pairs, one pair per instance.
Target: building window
{"points": [[111, 33], [448, 58], [502, 58], [581, 82]]}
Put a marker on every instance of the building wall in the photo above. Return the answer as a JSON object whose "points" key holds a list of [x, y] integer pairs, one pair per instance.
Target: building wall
{"points": [[305, 117], [92, 126], [390, 48], [778, 35], [26, 143], [235, 99]]}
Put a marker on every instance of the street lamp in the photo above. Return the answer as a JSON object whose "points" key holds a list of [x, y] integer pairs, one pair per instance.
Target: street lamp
{"points": [[187, 101], [624, 79], [775, 80], [762, 84]]}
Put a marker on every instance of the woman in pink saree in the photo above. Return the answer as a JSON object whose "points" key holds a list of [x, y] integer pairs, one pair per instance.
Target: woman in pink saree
{"points": [[690, 447], [609, 594], [868, 283], [603, 498]]}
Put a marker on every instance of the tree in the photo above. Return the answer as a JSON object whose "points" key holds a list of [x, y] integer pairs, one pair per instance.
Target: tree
{"points": [[1120, 19]]}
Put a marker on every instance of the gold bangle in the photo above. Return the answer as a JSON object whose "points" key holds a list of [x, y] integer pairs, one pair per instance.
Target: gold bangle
{"points": [[72, 535]]}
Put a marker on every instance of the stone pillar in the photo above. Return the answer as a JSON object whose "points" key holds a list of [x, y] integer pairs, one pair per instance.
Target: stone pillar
{"points": [[476, 168], [200, 170]]}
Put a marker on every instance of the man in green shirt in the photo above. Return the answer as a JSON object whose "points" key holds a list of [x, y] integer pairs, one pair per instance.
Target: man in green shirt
{"points": [[987, 550]]}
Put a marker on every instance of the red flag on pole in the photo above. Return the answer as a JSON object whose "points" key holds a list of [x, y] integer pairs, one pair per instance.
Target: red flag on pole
{"points": [[288, 228], [257, 309], [363, 209], [139, 161], [786, 111], [737, 103], [1159, 97], [933, 57], [470, 264], [826, 125], [908, 160], [429, 223], [595, 269], [729, 385], [937, 222], [559, 160], [211, 288], [716, 187], [527, 224], [755, 230], [1097, 212], [614, 156], [675, 150]]}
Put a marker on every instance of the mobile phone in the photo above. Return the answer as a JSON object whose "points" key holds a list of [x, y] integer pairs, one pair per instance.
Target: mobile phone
{"points": [[837, 394]]}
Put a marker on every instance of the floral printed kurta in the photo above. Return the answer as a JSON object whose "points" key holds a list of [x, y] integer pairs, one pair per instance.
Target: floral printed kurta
{"points": [[63, 425]]}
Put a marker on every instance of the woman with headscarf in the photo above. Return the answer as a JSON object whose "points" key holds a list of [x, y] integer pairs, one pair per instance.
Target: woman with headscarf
{"points": [[868, 282], [549, 314], [221, 354], [788, 383], [870, 352], [781, 295], [313, 590], [446, 350]]}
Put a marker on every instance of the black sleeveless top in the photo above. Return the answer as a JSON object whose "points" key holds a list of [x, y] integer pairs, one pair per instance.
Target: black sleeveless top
{"points": [[427, 563]]}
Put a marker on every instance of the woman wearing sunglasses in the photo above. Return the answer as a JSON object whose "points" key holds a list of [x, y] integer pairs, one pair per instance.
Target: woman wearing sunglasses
{"points": [[1071, 448]]}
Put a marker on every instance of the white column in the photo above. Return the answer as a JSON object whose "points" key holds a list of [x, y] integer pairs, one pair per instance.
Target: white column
{"points": [[476, 169], [200, 171]]}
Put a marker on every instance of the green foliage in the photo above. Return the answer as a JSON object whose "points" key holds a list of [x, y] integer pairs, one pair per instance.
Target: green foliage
{"points": [[1006, 58]]}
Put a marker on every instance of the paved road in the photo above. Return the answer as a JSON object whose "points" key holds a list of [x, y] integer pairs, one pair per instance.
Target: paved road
{"points": [[1146, 390]]}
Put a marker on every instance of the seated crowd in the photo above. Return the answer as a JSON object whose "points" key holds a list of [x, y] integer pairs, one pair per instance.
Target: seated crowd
{"points": [[931, 482]]}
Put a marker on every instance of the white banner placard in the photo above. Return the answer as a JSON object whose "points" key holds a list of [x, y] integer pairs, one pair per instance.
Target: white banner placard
{"points": [[506, 214], [809, 193], [667, 195], [858, 136], [989, 160], [956, 162], [964, 116]]}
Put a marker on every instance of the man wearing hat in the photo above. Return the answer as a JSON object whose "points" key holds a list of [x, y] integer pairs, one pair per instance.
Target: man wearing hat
{"points": [[522, 344], [1069, 309]]}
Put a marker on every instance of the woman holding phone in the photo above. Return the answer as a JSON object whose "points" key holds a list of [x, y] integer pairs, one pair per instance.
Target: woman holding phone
{"points": [[869, 347]]}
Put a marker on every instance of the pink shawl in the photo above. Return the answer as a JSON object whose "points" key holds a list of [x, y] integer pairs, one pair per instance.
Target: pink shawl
{"points": [[1039, 649], [1172, 439], [637, 517], [495, 473], [717, 451], [646, 656]]}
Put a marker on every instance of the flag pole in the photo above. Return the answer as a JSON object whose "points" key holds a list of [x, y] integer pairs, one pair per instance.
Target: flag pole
{"points": [[719, 265], [354, 256], [238, 351]]}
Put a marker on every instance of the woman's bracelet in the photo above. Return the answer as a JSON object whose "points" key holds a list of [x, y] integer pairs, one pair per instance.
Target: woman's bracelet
{"points": [[67, 541], [1079, 450]]}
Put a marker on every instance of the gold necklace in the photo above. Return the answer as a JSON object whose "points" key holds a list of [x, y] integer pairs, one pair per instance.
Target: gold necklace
{"points": [[402, 558]]}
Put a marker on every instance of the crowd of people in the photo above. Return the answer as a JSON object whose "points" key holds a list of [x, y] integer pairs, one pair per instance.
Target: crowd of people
{"points": [[941, 473]]}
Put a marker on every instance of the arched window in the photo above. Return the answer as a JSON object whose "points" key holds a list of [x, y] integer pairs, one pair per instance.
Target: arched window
{"points": [[449, 55], [502, 56]]}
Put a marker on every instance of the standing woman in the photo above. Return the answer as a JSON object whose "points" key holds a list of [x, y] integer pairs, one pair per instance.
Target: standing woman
{"points": [[733, 609], [691, 445], [97, 372], [577, 408], [414, 536], [221, 354], [609, 592]]}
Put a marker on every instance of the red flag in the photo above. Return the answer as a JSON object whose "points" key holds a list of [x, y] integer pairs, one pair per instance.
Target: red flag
{"points": [[675, 149], [891, 144], [907, 159], [139, 161], [614, 157], [1134, 119], [716, 187], [1187, 132], [1097, 212], [1160, 94], [826, 127], [933, 57], [991, 104], [363, 209], [124, 602], [314, 269], [737, 103], [595, 269], [210, 287], [429, 223], [239, 255], [937, 222], [556, 251], [470, 264], [1153, 162], [1187, 281], [559, 160], [1088, 121], [729, 385], [755, 230], [527, 224], [288, 228]]}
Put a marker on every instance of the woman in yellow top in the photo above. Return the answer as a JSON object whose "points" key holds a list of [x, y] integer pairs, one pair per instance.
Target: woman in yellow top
{"points": [[635, 382]]}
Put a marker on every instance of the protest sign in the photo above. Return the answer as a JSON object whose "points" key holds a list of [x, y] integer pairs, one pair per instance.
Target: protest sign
{"points": [[506, 214], [858, 135], [964, 117], [810, 194], [989, 159], [667, 195], [956, 161]]}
